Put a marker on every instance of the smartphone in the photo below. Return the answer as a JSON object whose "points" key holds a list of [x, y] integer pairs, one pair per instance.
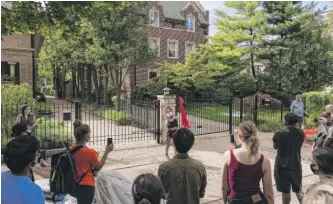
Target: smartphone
{"points": [[109, 141]]}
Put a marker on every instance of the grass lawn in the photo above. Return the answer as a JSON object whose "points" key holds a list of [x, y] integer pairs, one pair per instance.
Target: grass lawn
{"points": [[269, 120]]}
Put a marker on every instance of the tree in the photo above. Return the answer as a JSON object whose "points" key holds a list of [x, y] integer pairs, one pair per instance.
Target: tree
{"points": [[119, 34], [286, 32], [231, 51]]}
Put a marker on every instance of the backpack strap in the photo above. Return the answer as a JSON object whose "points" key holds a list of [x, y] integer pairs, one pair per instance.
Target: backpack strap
{"points": [[77, 148]]}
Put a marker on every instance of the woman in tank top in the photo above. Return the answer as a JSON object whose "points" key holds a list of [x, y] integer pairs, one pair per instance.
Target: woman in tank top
{"points": [[172, 125], [243, 169]]}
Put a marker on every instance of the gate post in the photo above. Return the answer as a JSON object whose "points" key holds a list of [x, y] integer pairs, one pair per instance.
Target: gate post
{"points": [[77, 110], [231, 134], [165, 101]]}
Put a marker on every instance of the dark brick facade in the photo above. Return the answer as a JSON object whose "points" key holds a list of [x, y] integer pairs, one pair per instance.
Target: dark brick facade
{"points": [[169, 30], [16, 49]]}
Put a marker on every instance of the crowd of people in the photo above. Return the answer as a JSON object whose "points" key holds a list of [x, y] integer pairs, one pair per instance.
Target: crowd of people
{"points": [[182, 179]]}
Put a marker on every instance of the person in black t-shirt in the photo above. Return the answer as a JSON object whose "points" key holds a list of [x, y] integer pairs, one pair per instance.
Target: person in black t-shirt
{"points": [[288, 167]]}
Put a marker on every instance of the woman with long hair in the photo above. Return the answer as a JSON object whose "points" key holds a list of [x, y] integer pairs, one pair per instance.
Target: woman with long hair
{"points": [[243, 169], [86, 162], [147, 189], [28, 117], [172, 125]]}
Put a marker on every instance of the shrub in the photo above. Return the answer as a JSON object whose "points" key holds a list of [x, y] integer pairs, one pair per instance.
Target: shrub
{"points": [[119, 117], [43, 109], [269, 125], [315, 104], [53, 134], [50, 134], [148, 90], [12, 97], [47, 90]]}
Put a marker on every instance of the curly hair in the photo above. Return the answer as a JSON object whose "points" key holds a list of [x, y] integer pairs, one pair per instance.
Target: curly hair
{"points": [[20, 152], [291, 119], [80, 130]]}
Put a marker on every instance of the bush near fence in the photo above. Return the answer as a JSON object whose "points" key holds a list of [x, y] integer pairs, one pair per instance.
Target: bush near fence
{"points": [[315, 103], [53, 134], [47, 90]]}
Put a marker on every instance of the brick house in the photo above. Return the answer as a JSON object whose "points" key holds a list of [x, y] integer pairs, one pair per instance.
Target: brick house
{"points": [[18, 55], [176, 28]]}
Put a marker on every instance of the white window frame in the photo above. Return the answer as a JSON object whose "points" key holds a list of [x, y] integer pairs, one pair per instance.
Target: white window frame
{"points": [[189, 43], [158, 17], [176, 51], [158, 45], [193, 24], [152, 70]]}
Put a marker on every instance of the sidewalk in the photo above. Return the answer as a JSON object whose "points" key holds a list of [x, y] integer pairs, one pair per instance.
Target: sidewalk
{"points": [[133, 159]]}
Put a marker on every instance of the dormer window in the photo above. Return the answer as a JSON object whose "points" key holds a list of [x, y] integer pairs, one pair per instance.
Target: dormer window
{"points": [[190, 23], [154, 17]]}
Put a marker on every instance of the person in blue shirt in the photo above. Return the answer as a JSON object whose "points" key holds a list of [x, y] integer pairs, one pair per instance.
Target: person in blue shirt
{"points": [[297, 107], [20, 155]]}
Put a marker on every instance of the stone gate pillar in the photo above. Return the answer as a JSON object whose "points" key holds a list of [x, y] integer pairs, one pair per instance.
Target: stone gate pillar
{"points": [[166, 100]]}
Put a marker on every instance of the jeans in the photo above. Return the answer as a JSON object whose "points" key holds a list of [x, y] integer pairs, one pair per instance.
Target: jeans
{"points": [[300, 122]]}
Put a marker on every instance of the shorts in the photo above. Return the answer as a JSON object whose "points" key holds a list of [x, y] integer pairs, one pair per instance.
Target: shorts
{"points": [[171, 133], [284, 178]]}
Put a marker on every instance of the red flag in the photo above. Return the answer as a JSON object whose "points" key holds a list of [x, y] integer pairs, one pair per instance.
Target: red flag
{"points": [[185, 122]]}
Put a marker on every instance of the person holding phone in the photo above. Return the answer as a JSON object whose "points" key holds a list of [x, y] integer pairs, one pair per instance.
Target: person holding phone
{"points": [[86, 163]]}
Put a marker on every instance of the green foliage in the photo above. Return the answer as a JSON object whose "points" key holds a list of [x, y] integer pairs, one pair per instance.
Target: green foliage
{"points": [[298, 55], [315, 104], [53, 134], [12, 97], [118, 117], [148, 90], [47, 90]]}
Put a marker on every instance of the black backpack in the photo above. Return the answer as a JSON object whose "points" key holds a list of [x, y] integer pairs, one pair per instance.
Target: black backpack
{"points": [[319, 140], [63, 177]]}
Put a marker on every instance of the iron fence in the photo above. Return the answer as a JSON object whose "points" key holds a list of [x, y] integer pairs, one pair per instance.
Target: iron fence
{"points": [[130, 121], [208, 116]]}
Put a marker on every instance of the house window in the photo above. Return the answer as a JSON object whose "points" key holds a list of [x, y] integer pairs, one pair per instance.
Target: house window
{"points": [[189, 47], [152, 73], [172, 49], [154, 17], [154, 45], [190, 23]]}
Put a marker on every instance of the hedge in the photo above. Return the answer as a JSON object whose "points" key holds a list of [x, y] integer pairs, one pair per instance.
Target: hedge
{"points": [[315, 103]]}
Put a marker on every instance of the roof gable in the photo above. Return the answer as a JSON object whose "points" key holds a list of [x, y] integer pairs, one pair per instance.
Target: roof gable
{"points": [[173, 10]]}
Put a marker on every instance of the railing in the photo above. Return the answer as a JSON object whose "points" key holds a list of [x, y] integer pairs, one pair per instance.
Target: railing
{"points": [[129, 122]]}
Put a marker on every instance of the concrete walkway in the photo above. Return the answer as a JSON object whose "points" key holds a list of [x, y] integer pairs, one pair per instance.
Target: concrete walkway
{"points": [[132, 159]]}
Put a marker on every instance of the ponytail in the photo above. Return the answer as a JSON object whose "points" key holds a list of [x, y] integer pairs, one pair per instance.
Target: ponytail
{"points": [[249, 136], [253, 144]]}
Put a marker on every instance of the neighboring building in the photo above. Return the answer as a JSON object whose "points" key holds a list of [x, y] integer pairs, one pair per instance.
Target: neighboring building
{"points": [[18, 58], [176, 28]]}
